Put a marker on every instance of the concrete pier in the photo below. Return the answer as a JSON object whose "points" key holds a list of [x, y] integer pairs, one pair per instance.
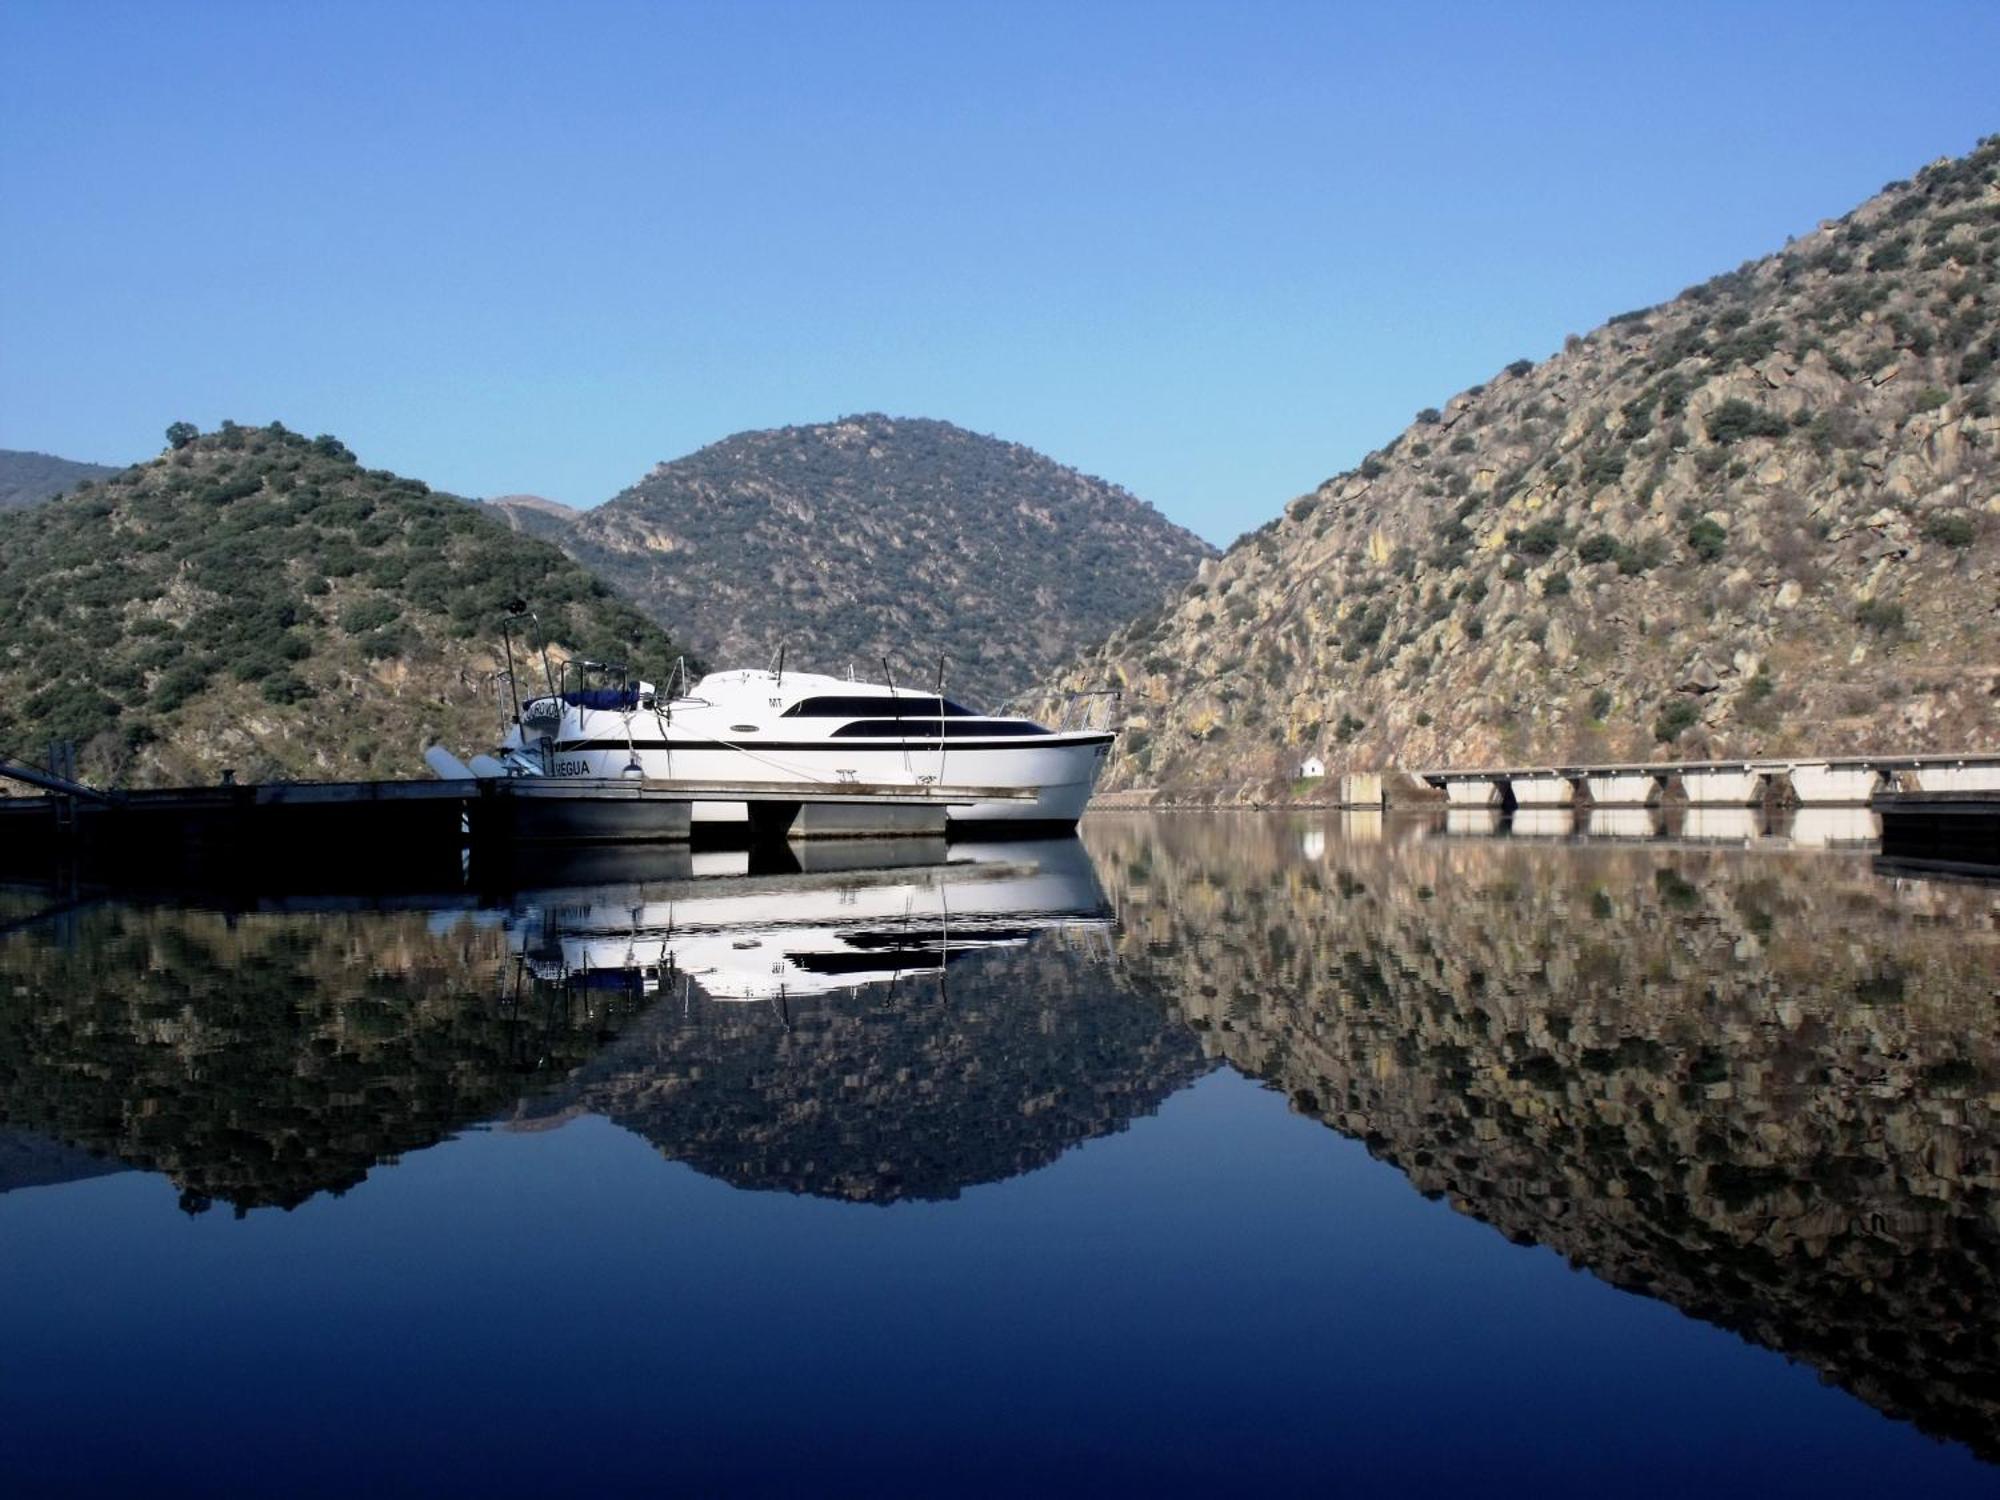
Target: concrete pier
{"points": [[1829, 781], [1956, 777], [1542, 790], [1723, 788], [1823, 784]]}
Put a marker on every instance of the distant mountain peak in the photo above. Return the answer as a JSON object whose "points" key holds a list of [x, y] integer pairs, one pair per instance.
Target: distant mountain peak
{"points": [[870, 536], [30, 478]]}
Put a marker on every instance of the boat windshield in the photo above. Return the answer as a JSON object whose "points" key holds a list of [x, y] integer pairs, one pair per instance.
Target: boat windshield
{"points": [[875, 705]]}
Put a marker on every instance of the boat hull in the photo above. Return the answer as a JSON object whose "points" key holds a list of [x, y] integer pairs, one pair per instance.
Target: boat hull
{"points": [[1061, 769]]}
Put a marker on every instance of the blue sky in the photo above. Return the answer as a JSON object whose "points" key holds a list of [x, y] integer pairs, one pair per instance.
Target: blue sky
{"points": [[1212, 252]]}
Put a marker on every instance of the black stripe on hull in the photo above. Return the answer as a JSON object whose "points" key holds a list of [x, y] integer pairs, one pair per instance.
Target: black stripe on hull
{"points": [[835, 747]]}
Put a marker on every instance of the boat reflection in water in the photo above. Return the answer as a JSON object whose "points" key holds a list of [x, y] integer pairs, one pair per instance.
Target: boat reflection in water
{"points": [[848, 918]]}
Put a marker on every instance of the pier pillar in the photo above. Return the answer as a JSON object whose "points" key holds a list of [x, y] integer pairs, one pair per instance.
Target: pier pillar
{"points": [[852, 820], [1834, 785], [1361, 789], [1623, 788], [1958, 778], [1542, 791], [1731, 788], [1472, 793]]}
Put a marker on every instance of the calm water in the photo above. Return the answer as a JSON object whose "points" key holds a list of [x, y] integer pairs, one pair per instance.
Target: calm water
{"points": [[1203, 1155]]}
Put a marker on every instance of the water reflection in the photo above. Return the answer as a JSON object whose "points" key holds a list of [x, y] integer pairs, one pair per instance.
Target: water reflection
{"points": [[1761, 1088], [1702, 1065], [262, 1056]]}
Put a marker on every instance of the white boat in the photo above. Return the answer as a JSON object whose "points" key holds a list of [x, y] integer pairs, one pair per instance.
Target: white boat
{"points": [[750, 726]]}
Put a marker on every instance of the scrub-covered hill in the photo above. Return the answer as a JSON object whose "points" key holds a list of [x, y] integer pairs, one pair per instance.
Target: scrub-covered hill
{"points": [[1762, 517], [883, 536], [256, 599]]}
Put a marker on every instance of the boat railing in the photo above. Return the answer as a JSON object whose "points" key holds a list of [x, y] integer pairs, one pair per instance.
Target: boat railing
{"points": [[1090, 709]]}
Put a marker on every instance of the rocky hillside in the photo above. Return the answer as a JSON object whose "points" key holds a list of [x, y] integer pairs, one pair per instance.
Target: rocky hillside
{"points": [[876, 536], [30, 478], [1762, 517], [255, 599]]}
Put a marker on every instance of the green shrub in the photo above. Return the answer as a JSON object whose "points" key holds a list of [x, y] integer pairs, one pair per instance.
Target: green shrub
{"points": [[1675, 720], [1555, 585], [1600, 703], [1538, 540], [1930, 398], [1707, 540], [1950, 531], [1602, 469], [1737, 419], [286, 687], [1430, 416], [368, 614], [1879, 615], [1598, 547], [1520, 367]]}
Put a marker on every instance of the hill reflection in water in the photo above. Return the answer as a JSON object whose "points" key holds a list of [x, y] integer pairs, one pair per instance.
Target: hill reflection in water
{"points": [[855, 1029], [1758, 1083]]}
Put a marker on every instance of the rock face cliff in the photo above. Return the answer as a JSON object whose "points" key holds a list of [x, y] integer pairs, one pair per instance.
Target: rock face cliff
{"points": [[876, 536], [257, 600], [1764, 1090], [1762, 517]]}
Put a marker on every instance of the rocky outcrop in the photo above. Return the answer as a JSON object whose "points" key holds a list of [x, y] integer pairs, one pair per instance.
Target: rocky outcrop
{"points": [[1762, 517]]}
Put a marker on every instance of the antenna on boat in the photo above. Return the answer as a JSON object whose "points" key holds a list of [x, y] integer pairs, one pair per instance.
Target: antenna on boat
{"points": [[781, 668], [517, 611], [896, 709], [940, 697]]}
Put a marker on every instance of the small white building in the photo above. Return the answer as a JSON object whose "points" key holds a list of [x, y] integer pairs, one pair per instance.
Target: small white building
{"points": [[1311, 767]]}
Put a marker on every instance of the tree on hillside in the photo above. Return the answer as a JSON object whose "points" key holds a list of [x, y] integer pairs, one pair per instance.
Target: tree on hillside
{"points": [[181, 434]]}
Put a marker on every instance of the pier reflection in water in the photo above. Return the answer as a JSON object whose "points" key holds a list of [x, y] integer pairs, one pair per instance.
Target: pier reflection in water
{"points": [[1719, 1061]]}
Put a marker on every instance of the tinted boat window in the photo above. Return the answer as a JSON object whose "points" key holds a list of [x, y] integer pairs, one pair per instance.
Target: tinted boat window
{"points": [[855, 705], [930, 729]]}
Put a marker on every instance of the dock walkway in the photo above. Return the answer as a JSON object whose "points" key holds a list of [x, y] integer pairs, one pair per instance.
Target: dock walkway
{"points": [[527, 809]]}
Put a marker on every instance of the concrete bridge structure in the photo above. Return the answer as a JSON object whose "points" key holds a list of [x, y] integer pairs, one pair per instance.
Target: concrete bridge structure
{"points": [[1833, 781]]}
